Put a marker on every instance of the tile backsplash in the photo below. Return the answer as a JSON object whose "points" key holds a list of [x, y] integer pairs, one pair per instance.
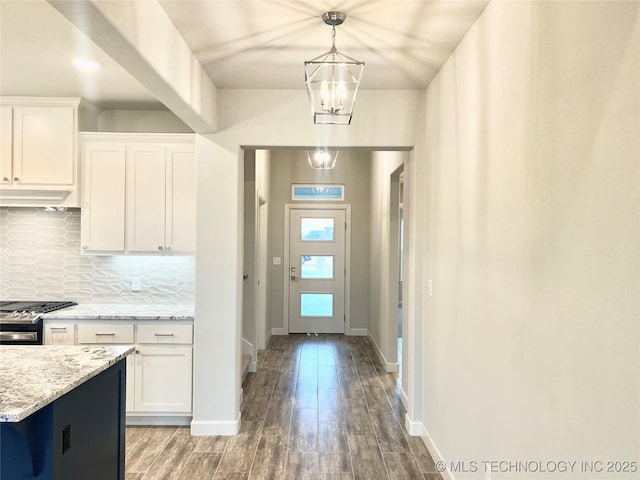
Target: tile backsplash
{"points": [[40, 260]]}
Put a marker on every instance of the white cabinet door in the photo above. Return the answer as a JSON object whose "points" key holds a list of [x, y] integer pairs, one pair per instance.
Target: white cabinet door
{"points": [[103, 198], [163, 379], [146, 187], [181, 198], [6, 145], [59, 334], [43, 145]]}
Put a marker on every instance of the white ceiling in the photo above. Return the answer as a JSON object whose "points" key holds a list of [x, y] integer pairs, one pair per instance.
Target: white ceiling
{"points": [[240, 44], [36, 47]]}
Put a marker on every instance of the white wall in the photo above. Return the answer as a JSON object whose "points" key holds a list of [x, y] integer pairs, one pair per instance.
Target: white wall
{"points": [[531, 336], [218, 305], [141, 121]]}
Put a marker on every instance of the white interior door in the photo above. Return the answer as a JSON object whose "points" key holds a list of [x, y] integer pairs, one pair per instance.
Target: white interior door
{"points": [[317, 271]]}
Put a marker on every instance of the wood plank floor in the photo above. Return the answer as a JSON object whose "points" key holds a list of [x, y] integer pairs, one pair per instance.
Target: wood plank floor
{"points": [[318, 407]]}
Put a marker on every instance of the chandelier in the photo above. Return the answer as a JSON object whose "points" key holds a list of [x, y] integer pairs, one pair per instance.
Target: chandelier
{"points": [[322, 159], [332, 80]]}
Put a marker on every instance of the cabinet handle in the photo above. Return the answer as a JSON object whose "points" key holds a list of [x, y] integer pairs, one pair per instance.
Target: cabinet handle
{"points": [[58, 329], [84, 247], [5, 179], [160, 248], [168, 248], [16, 179], [164, 334], [105, 334]]}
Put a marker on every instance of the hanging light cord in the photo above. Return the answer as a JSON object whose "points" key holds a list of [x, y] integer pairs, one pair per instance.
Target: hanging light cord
{"points": [[333, 38]]}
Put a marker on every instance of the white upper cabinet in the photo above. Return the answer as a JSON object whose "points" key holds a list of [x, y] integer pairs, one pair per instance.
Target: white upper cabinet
{"points": [[6, 145], [38, 164], [103, 201], [148, 198], [181, 199], [43, 145]]}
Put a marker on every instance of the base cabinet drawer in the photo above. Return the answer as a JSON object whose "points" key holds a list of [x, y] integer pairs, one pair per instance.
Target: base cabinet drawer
{"points": [[105, 333], [165, 334], [163, 379], [59, 334]]}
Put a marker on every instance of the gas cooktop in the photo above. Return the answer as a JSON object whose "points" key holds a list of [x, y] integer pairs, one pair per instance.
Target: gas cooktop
{"points": [[23, 312]]}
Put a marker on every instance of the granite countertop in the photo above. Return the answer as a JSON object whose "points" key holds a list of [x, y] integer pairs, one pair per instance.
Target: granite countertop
{"points": [[113, 311], [33, 376]]}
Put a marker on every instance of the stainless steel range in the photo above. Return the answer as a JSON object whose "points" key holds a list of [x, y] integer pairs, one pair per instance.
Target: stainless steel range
{"points": [[21, 322]]}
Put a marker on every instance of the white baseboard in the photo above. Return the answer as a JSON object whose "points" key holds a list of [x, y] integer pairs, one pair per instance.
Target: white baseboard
{"points": [[418, 429], [414, 428], [157, 420], [404, 398], [278, 331], [253, 367], [389, 367], [357, 332], [202, 428], [269, 335]]}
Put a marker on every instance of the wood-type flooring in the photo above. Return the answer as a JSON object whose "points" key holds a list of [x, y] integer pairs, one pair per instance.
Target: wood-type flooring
{"points": [[318, 407]]}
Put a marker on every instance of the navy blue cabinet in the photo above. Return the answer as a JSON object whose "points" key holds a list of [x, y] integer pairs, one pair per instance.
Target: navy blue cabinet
{"points": [[81, 435]]}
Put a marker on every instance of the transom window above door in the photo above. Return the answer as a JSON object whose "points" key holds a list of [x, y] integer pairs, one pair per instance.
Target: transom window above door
{"points": [[322, 192]]}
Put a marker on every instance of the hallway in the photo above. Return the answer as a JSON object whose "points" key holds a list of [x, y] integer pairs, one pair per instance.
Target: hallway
{"points": [[318, 407]]}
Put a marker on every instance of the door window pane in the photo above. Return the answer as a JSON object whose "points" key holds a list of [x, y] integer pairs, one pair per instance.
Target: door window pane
{"points": [[316, 304], [316, 229], [316, 266]]}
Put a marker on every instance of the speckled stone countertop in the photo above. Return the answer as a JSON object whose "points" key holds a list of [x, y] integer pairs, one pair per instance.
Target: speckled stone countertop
{"points": [[113, 311], [33, 376]]}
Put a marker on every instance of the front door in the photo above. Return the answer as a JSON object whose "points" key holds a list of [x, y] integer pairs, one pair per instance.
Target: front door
{"points": [[317, 271]]}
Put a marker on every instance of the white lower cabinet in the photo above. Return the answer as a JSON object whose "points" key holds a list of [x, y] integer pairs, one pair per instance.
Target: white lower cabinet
{"points": [[163, 379], [159, 373]]}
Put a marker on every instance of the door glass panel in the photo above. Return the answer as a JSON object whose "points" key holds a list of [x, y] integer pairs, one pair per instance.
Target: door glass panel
{"points": [[316, 304], [316, 266], [316, 229]]}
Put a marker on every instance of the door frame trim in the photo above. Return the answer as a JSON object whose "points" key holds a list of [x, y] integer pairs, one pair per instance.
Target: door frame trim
{"points": [[347, 261]]}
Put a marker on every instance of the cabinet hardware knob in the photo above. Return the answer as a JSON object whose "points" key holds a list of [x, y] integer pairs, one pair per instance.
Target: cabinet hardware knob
{"points": [[168, 248], [84, 246], [160, 248], [16, 179], [5, 179]]}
